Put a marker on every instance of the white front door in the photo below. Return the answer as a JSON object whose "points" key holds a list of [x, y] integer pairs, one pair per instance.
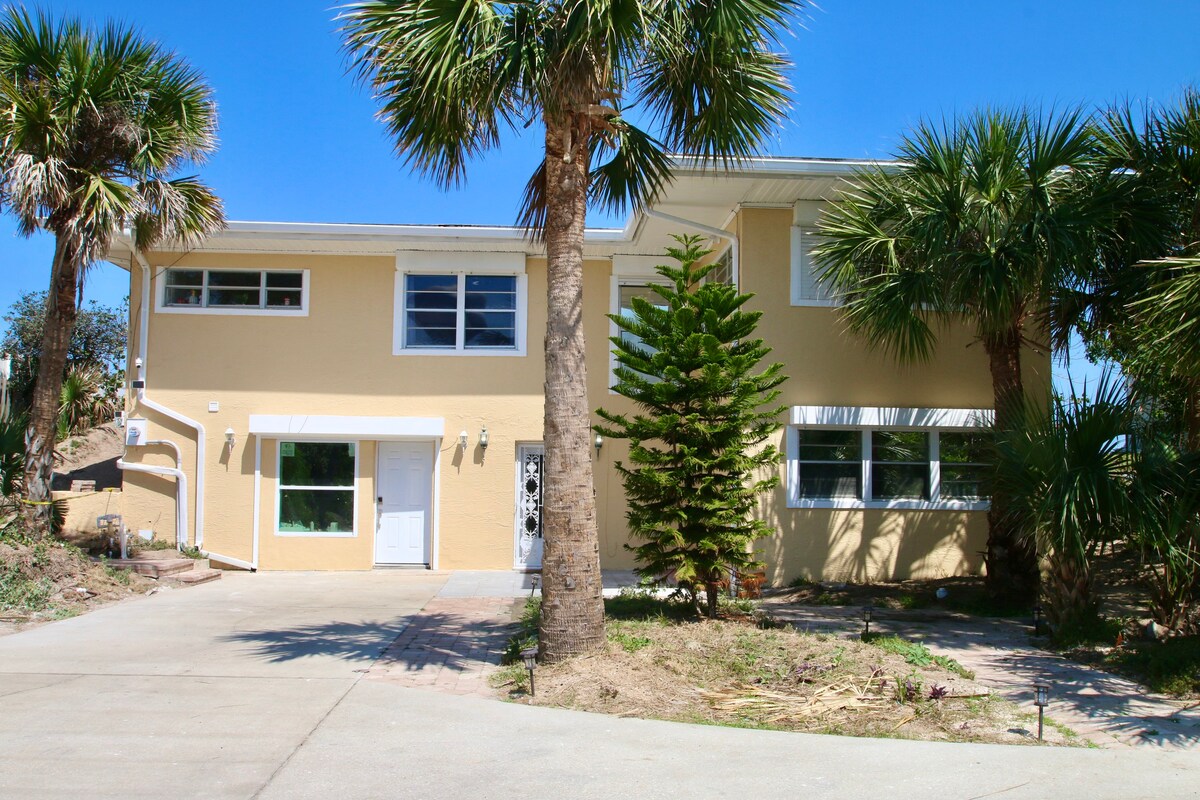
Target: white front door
{"points": [[404, 494], [531, 463]]}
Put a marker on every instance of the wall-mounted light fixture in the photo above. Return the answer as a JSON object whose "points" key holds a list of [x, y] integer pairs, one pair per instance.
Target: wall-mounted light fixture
{"points": [[230, 438], [483, 438], [462, 440], [599, 444]]}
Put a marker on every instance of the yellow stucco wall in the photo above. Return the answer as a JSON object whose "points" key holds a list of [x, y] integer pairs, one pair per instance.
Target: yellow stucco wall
{"points": [[338, 361]]}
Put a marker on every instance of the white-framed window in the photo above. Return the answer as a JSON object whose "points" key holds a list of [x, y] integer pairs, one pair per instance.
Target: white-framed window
{"points": [[851, 457], [460, 304], [624, 291], [185, 290], [317, 493], [807, 290], [722, 271]]}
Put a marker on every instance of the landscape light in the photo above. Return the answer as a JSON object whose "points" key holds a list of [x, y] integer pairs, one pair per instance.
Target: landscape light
{"points": [[1041, 699], [529, 656]]}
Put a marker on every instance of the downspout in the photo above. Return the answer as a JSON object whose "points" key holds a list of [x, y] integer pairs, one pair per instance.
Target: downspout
{"points": [[181, 494], [735, 260]]}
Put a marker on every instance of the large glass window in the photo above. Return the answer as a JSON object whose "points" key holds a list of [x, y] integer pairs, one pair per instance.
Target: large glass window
{"points": [[827, 465], [625, 296], [830, 464], [316, 487], [460, 312], [234, 289]]}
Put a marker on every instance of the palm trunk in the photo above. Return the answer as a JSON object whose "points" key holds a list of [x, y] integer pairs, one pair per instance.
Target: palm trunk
{"points": [[41, 435], [572, 618], [1191, 412], [1011, 557], [1069, 602]]}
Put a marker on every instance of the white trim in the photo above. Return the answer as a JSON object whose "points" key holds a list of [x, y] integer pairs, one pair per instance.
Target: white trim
{"points": [[435, 533], [309, 426], [279, 487], [257, 498], [399, 308], [885, 417], [161, 307], [441, 262]]}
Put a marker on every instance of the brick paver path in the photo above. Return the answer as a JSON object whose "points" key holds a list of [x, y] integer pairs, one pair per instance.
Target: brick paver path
{"points": [[451, 646], [1102, 708]]}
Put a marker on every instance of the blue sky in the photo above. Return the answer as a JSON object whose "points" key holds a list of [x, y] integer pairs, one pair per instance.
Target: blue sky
{"points": [[299, 141]]}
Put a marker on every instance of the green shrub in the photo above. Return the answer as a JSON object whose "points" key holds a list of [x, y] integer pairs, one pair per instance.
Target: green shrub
{"points": [[1171, 666]]}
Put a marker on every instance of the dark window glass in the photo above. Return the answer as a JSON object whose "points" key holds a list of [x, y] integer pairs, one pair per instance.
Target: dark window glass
{"points": [[965, 464], [497, 325], [830, 464], [316, 511], [316, 464], [900, 465], [285, 280]]}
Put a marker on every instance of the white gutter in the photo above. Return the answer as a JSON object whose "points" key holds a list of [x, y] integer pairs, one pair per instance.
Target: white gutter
{"points": [[181, 515], [735, 258], [143, 347]]}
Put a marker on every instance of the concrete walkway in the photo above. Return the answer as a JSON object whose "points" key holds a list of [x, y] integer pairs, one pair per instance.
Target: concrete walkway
{"points": [[1103, 708], [254, 687]]}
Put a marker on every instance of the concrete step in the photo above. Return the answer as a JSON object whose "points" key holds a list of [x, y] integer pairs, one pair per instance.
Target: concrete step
{"points": [[195, 577], [154, 568], [155, 555]]}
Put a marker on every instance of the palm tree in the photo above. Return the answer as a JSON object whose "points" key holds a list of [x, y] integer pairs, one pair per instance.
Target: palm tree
{"points": [[93, 124], [1144, 298], [451, 75], [981, 223], [1067, 469]]}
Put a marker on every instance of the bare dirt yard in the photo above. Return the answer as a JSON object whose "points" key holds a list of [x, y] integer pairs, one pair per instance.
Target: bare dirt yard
{"points": [[732, 671], [49, 580]]}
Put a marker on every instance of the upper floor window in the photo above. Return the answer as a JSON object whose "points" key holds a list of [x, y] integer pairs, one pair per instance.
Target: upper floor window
{"points": [[448, 313], [807, 288], [722, 271], [234, 291]]}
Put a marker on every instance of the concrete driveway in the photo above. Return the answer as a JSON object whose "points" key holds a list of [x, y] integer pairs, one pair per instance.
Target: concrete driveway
{"points": [[250, 687], [200, 692]]}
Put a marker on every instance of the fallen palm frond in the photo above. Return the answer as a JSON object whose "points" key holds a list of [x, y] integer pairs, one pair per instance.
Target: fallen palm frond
{"points": [[846, 694]]}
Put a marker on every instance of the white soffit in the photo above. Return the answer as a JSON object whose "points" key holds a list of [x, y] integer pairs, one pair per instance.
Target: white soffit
{"points": [[459, 261], [317, 426], [873, 417], [631, 266]]}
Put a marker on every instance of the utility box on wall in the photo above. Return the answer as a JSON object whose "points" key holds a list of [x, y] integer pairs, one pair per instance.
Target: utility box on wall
{"points": [[135, 431]]}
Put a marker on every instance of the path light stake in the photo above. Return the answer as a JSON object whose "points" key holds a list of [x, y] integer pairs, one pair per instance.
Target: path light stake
{"points": [[1041, 699], [529, 656], [533, 584], [1037, 620], [868, 611]]}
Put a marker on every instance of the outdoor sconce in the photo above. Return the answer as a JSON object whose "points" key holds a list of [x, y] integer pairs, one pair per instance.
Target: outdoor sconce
{"points": [[230, 438], [1041, 700], [1037, 620], [483, 438], [529, 656], [462, 440], [867, 613], [599, 444]]}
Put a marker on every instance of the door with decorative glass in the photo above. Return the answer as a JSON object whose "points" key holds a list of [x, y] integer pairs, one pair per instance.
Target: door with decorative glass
{"points": [[531, 462]]}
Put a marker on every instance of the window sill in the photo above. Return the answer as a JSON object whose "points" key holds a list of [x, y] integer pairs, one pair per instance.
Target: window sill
{"points": [[317, 534], [484, 352], [234, 312], [892, 505], [815, 303]]}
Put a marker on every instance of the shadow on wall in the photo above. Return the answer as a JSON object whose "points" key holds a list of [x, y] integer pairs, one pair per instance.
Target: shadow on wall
{"points": [[868, 545]]}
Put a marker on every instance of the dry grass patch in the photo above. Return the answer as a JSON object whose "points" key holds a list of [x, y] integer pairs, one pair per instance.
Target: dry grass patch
{"points": [[51, 580], [732, 672]]}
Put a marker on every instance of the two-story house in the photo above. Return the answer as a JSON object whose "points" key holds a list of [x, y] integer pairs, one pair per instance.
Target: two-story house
{"points": [[311, 396]]}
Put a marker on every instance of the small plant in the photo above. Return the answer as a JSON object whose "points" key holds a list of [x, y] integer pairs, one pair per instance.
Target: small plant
{"points": [[937, 692], [908, 689], [627, 641], [527, 632], [915, 653]]}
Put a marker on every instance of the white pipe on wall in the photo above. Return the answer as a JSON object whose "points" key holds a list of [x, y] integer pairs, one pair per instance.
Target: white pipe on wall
{"points": [[734, 258], [142, 399], [180, 491]]}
